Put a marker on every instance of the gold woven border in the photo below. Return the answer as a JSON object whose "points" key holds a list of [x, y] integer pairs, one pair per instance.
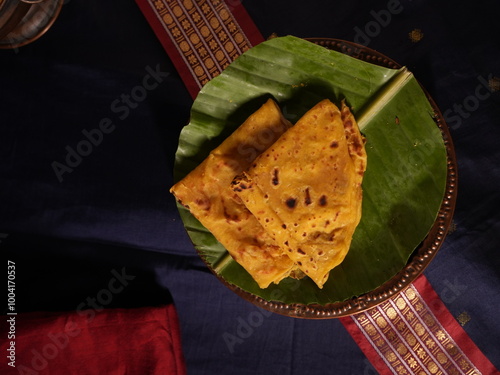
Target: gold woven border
{"points": [[409, 338], [205, 33]]}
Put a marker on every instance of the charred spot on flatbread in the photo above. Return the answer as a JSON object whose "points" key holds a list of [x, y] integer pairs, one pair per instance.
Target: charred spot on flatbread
{"points": [[315, 205], [209, 194]]}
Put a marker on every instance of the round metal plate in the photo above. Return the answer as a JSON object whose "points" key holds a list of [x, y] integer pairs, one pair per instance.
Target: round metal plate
{"points": [[419, 259]]}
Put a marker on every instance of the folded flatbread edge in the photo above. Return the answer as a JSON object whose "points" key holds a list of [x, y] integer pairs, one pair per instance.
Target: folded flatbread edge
{"points": [[207, 194], [306, 189]]}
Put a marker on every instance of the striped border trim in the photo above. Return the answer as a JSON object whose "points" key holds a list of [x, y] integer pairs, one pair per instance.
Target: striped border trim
{"points": [[201, 37], [414, 333]]}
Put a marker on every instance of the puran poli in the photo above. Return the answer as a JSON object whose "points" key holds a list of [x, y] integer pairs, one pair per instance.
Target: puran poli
{"points": [[207, 193], [306, 190]]}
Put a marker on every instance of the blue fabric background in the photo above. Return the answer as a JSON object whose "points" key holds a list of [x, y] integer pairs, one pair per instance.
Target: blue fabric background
{"points": [[114, 212]]}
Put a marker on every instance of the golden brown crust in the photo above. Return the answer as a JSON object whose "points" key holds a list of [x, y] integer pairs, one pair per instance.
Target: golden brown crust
{"points": [[305, 189], [207, 194]]}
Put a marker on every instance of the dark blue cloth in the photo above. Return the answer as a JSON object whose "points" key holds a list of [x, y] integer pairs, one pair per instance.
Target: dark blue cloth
{"points": [[99, 83]]}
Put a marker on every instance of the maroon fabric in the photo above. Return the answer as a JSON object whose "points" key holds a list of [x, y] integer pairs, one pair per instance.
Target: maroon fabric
{"points": [[108, 341]]}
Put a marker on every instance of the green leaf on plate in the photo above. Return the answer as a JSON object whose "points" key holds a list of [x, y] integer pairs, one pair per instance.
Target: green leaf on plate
{"points": [[404, 182]]}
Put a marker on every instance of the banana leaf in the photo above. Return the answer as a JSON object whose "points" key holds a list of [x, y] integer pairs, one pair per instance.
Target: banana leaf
{"points": [[404, 182]]}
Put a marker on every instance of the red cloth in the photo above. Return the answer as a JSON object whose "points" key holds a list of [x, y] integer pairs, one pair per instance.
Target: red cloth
{"points": [[140, 341]]}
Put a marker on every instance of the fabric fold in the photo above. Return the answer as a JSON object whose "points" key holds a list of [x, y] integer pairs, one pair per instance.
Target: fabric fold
{"points": [[109, 341]]}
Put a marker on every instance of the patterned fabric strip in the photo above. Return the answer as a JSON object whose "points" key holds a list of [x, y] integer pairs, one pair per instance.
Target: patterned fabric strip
{"points": [[201, 37], [414, 333]]}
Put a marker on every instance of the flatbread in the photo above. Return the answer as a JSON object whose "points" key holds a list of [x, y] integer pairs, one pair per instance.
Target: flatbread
{"points": [[306, 191], [207, 193]]}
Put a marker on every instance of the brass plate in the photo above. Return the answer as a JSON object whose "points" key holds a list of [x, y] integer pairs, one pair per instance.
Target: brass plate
{"points": [[422, 255]]}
